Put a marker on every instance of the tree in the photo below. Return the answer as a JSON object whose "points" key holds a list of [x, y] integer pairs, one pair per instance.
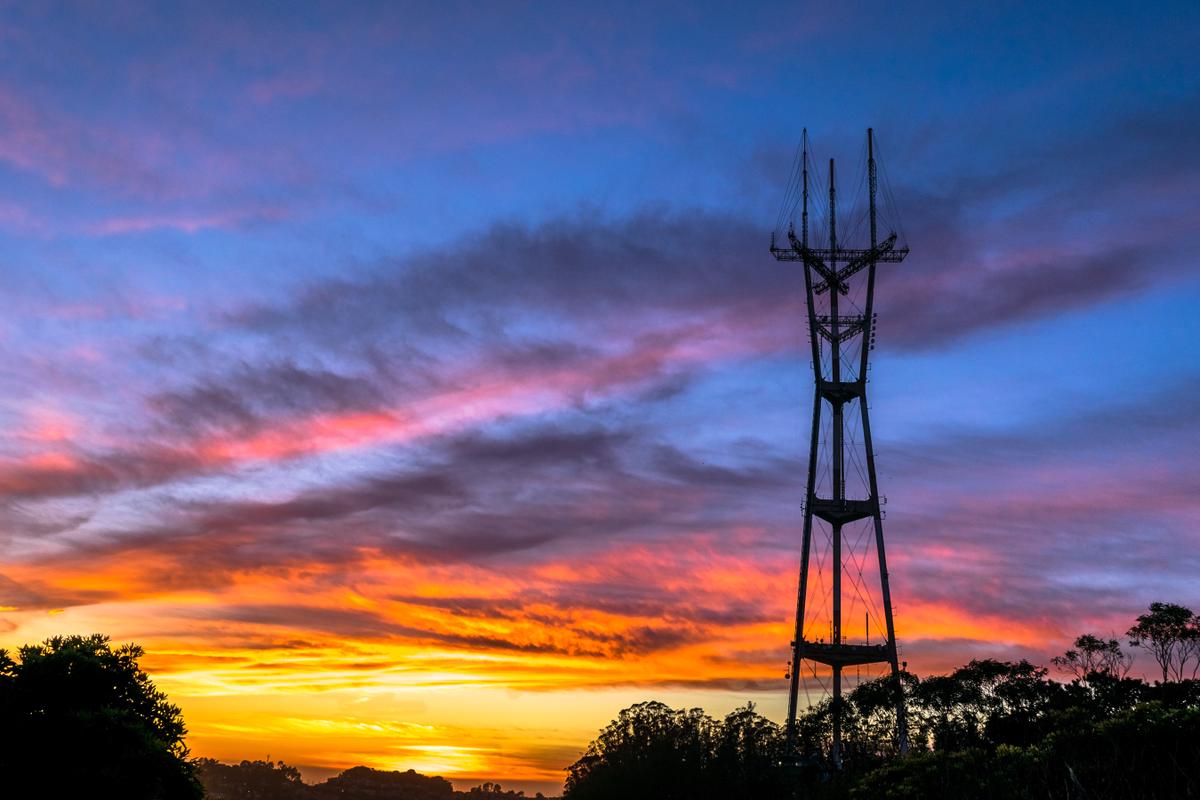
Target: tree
{"points": [[79, 718], [747, 750], [654, 751], [489, 790], [1170, 633], [1148, 751], [650, 751], [364, 783], [250, 780], [1092, 654], [869, 718], [982, 704]]}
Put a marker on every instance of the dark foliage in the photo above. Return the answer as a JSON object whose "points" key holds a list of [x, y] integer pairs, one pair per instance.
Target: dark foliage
{"points": [[989, 729], [363, 783], [1170, 633], [653, 751], [1093, 654], [493, 791], [1146, 753], [79, 718], [250, 780]]}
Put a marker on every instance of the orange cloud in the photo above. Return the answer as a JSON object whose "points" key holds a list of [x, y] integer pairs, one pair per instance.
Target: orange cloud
{"points": [[383, 661]]}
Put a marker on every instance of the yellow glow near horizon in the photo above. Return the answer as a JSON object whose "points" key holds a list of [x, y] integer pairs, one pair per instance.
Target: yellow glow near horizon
{"points": [[451, 670]]}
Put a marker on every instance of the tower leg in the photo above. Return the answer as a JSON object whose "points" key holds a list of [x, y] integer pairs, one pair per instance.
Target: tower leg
{"points": [[835, 751], [802, 590], [885, 589]]}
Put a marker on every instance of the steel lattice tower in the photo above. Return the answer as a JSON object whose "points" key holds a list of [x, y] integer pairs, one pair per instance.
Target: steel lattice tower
{"points": [[841, 343]]}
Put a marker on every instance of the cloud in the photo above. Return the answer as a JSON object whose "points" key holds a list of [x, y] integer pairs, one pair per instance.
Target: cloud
{"points": [[925, 311], [468, 498], [1058, 522], [480, 500], [975, 266], [247, 398], [183, 222]]}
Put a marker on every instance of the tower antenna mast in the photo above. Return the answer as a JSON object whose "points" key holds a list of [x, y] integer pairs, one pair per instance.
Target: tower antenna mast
{"points": [[840, 390]]}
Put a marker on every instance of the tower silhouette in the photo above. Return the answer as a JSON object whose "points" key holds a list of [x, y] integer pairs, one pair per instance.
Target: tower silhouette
{"points": [[843, 510]]}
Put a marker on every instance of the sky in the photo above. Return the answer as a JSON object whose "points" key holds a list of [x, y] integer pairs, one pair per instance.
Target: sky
{"points": [[414, 383]]}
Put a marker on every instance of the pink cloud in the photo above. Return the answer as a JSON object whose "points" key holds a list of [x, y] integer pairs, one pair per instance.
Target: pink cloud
{"points": [[186, 223]]}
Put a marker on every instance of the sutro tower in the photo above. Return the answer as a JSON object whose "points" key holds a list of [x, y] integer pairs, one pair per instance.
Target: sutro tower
{"points": [[843, 517]]}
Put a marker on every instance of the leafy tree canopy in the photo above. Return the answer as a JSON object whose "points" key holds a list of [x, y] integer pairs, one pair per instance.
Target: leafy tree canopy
{"points": [[654, 751], [1170, 633], [80, 716], [250, 780], [363, 783]]}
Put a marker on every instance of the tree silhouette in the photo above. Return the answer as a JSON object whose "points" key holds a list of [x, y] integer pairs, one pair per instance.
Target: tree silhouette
{"points": [[250, 780], [747, 750], [1171, 633], [649, 751], [494, 791], [990, 729], [654, 751], [1091, 654], [79, 718], [363, 783], [981, 704]]}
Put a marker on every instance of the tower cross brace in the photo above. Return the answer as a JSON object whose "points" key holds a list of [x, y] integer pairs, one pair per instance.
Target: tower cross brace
{"points": [[829, 270]]}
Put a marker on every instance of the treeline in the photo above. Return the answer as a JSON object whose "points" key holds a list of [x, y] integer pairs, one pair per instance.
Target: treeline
{"points": [[265, 780], [990, 729]]}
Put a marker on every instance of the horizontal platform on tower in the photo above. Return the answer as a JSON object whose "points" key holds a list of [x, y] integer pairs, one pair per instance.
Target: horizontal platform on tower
{"points": [[840, 512], [844, 655], [841, 391], [848, 325], [823, 261], [842, 254]]}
